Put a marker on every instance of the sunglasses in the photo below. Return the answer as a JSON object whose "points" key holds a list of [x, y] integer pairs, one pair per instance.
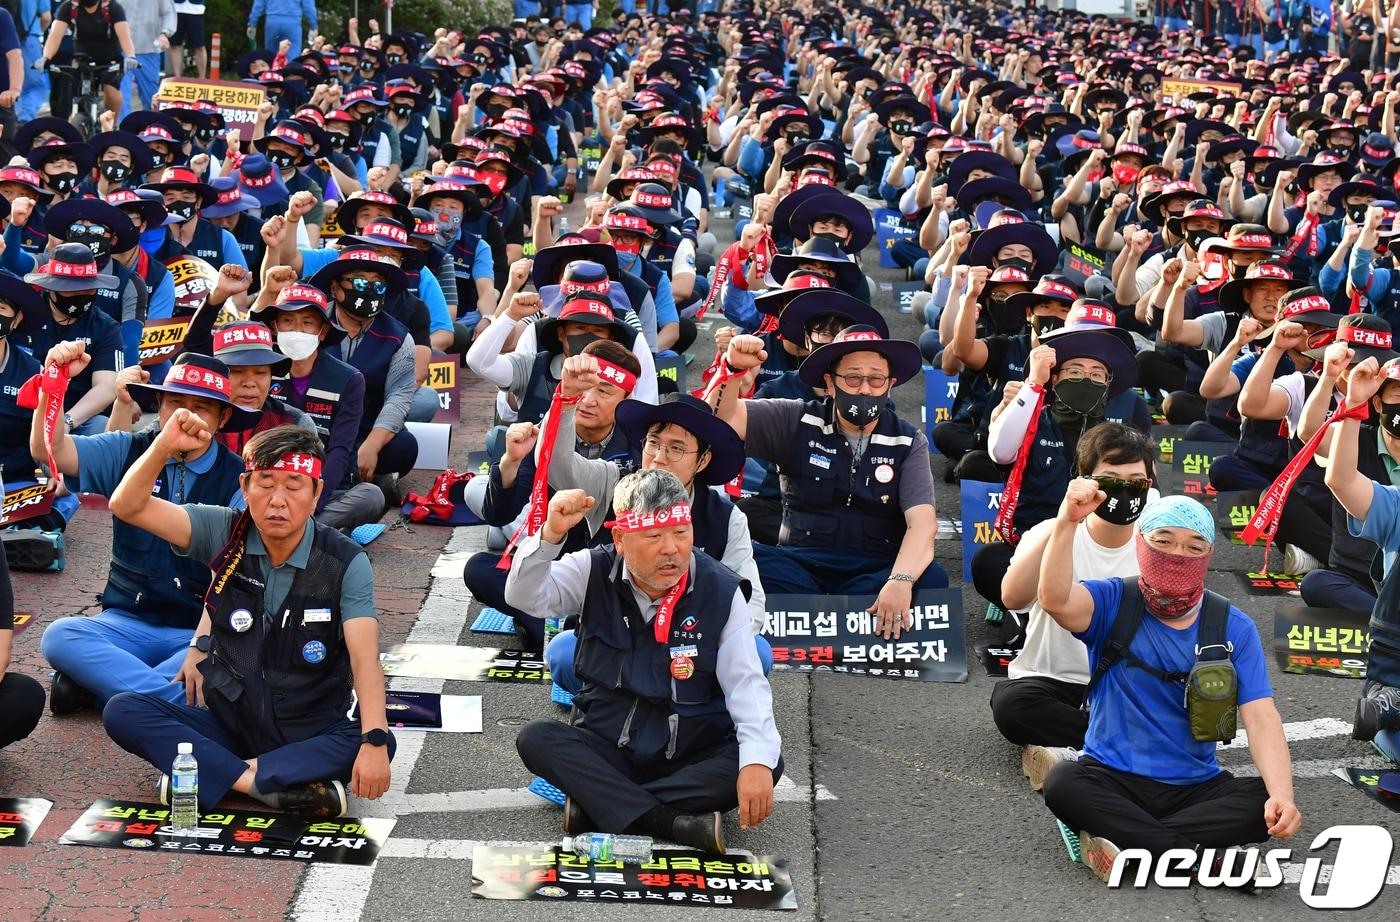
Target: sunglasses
{"points": [[86, 230], [368, 286], [1107, 483]]}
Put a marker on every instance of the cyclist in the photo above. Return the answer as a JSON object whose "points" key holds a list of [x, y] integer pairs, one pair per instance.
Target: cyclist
{"points": [[100, 32]]}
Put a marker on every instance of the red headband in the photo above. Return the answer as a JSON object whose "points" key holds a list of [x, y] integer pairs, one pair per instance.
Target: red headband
{"points": [[1361, 336], [296, 462], [72, 270], [601, 287], [194, 376], [651, 200], [255, 335], [617, 375], [679, 514], [1306, 306]]}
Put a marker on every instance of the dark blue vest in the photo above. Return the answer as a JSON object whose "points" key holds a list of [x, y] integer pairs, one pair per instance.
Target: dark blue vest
{"points": [[207, 243], [329, 378], [539, 390], [1266, 442], [16, 464], [372, 356], [109, 300]]}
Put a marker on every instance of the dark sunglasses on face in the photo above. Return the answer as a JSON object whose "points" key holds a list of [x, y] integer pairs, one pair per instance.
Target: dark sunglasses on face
{"points": [[368, 286]]}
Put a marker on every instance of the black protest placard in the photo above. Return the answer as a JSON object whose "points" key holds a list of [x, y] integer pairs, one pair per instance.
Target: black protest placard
{"points": [[835, 633], [1080, 263], [1321, 641], [996, 660], [465, 664], [675, 878], [20, 818], [1370, 783], [442, 378], [1191, 463], [1233, 510], [1273, 582], [130, 826], [904, 294]]}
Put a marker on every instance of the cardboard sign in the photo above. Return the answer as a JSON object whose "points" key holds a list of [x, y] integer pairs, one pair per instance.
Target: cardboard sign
{"points": [[162, 339], [1175, 89], [672, 366], [670, 878], [465, 664], [835, 633], [126, 825], [980, 504], [996, 660], [889, 228], [1080, 263], [1369, 783], [1233, 510], [194, 281], [904, 294], [238, 101], [20, 818], [1273, 583], [442, 378], [940, 393], [26, 502], [1321, 641]]}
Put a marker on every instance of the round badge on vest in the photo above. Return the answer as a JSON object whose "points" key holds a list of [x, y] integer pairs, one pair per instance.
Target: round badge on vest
{"points": [[314, 651], [884, 473], [240, 620], [682, 668]]}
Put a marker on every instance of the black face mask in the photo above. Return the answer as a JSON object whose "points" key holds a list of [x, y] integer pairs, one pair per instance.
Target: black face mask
{"points": [[403, 111], [1077, 401], [72, 305], [578, 341], [1237, 270], [363, 304], [859, 409], [1197, 237], [1022, 264], [280, 159], [495, 109], [902, 128], [1357, 213], [414, 260], [795, 138], [184, 211], [158, 160], [1008, 320], [114, 170], [392, 59], [367, 118], [6, 325], [64, 183], [1044, 323], [1343, 150], [206, 135], [1390, 419], [1126, 500], [338, 141], [101, 247]]}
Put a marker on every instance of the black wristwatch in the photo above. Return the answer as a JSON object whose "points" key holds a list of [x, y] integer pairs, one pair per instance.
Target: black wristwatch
{"points": [[376, 738], [201, 643]]}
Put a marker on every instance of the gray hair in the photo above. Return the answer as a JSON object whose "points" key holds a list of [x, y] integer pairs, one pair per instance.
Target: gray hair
{"points": [[648, 491]]}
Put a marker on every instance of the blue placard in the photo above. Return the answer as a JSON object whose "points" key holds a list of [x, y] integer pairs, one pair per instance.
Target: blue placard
{"points": [[889, 227], [940, 390], [980, 503]]}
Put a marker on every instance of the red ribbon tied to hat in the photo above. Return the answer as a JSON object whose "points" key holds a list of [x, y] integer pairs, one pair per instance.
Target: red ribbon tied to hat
{"points": [[51, 380]]}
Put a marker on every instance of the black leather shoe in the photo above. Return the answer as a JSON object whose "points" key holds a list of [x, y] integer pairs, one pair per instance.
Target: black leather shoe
{"points": [[318, 799], [575, 820], [704, 832], [68, 697]]}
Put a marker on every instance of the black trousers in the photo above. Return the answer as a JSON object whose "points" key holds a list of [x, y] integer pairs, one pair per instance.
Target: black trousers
{"points": [[765, 515], [1038, 711], [989, 565], [488, 585], [955, 438], [21, 706], [612, 790], [1136, 812], [1158, 374]]}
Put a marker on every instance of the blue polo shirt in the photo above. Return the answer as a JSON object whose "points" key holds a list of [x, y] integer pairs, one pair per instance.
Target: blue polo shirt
{"points": [[102, 464], [99, 332]]}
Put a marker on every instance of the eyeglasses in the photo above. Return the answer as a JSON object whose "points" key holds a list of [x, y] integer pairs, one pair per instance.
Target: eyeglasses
{"points": [[853, 381], [368, 286], [671, 452], [1098, 377]]}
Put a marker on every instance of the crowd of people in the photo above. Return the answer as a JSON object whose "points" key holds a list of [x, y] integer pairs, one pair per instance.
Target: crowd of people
{"points": [[1116, 221]]}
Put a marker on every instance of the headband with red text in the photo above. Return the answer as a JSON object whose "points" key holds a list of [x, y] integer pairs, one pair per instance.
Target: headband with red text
{"points": [[296, 462], [679, 514]]}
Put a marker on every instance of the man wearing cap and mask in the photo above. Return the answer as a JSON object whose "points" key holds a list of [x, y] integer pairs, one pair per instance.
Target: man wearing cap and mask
{"points": [[71, 281], [1148, 776], [675, 717], [146, 212], [289, 631], [185, 194], [849, 467], [153, 599]]}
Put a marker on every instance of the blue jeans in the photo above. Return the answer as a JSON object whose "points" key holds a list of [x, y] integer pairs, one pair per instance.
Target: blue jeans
{"points": [[1388, 742], [524, 8], [152, 728], [559, 657], [425, 405], [147, 80], [276, 28], [36, 83], [114, 651], [581, 13]]}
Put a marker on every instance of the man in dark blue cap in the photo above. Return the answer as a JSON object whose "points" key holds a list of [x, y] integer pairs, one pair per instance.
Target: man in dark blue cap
{"points": [[153, 599], [146, 211], [236, 213]]}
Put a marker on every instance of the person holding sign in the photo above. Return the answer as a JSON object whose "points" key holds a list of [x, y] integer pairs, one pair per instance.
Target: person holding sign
{"points": [[675, 722], [1148, 776], [289, 631]]}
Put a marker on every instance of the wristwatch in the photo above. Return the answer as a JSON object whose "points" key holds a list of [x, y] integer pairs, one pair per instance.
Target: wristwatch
{"points": [[900, 578], [200, 643], [376, 738], [68, 421]]}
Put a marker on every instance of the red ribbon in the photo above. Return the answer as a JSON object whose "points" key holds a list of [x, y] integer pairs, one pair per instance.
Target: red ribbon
{"points": [[53, 381], [662, 624], [731, 264], [1270, 509], [723, 269], [1012, 495], [539, 490], [1305, 233]]}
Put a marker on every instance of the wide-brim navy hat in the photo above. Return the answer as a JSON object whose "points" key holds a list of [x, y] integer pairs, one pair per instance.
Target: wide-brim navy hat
{"points": [[903, 356], [351, 260], [196, 375], [179, 177], [29, 305], [24, 137], [71, 267], [817, 302], [818, 152], [140, 153], [584, 307], [260, 181], [815, 127], [822, 250], [695, 416], [60, 217], [905, 101], [150, 203], [381, 232], [1090, 333], [249, 344], [79, 152], [966, 162], [655, 203], [986, 243], [550, 262], [826, 202], [231, 200], [1009, 193], [450, 187]]}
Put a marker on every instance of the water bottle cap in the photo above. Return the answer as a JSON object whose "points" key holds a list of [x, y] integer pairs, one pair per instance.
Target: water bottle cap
{"points": [[568, 844], [185, 749]]}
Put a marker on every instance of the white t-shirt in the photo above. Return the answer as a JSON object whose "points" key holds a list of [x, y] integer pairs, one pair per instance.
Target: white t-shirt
{"points": [[1052, 652]]}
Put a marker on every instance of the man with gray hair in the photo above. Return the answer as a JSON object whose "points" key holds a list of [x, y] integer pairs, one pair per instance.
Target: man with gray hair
{"points": [[674, 721]]}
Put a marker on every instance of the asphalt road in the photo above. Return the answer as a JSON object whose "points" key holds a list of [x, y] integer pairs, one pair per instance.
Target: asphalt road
{"points": [[904, 801]]}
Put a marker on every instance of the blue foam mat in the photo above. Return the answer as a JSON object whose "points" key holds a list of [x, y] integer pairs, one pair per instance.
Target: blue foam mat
{"points": [[367, 534], [491, 621], [549, 792], [560, 696]]}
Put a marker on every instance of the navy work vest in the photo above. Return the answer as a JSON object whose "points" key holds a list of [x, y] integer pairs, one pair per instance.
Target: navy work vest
{"points": [[372, 356], [329, 378], [1049, 467], [207, 243], [109, 300]]}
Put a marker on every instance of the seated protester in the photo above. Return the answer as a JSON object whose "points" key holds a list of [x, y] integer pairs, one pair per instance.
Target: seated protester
{"points": [[1372, 513], [1088, 365], [185, 195], [432, 255], [681, 435], [60, 165], [153, 599], [1371, 270], [830, 213], [453, 205], [495, 171], [1256, 295], [671, 251], [768, 308], [819, 256], [147, 214], [575, 262], [288, 149], [275, 732], [72, 282], [122, 159], [675, 743], [849, 466], [1144, 779], [626, 228], [1313, 227], [359, 284], [1040, 704], [16, 183], [505, 497], [21, 697], [328, 391], [234, 212]]}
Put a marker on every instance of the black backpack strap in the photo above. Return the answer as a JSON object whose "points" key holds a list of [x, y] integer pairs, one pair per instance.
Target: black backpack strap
{"points": [[1120, 636], [1210, 636]]}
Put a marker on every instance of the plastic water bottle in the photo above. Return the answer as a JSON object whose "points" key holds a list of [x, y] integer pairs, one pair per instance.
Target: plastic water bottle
{"points": [[184, 791], [552, 626], [607, 846], [563, 225]]}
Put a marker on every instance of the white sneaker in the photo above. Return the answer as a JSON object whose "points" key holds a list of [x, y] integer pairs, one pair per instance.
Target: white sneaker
{"points": [[1036, 762], [1298, 561], [1098, 854]]}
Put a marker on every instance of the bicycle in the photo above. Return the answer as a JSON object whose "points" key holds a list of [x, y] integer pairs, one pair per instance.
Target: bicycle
{"points": [[87, 77]]}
